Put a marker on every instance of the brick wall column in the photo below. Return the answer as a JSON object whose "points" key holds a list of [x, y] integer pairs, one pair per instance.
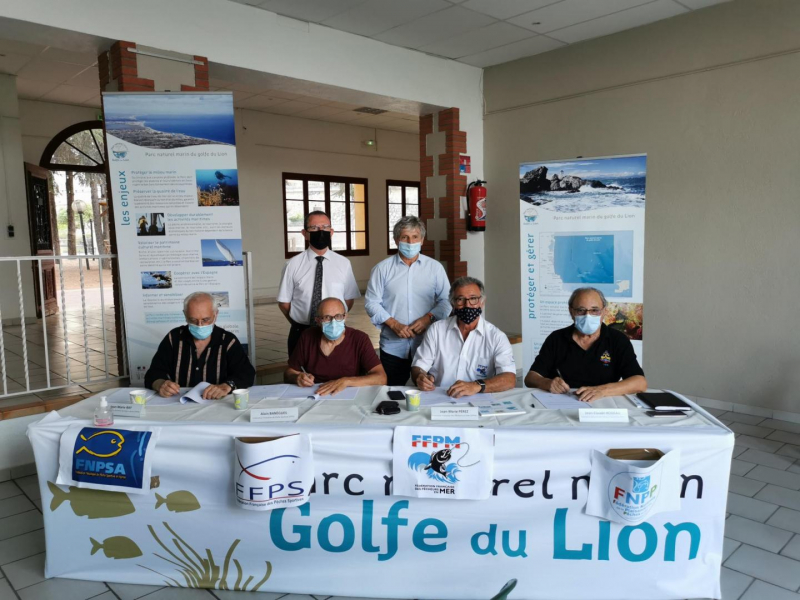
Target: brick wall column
{"points": [[441, 188]]}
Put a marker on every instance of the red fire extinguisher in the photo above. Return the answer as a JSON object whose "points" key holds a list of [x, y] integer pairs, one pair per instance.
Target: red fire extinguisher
{"points": [[476, 206]]}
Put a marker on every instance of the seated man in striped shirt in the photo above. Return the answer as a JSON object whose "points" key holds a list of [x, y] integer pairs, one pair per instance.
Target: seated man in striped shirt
{"points": [[200, 351]]}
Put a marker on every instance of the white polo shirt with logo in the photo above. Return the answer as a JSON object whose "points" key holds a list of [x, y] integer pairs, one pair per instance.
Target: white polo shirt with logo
{"points": [[445, 355]]}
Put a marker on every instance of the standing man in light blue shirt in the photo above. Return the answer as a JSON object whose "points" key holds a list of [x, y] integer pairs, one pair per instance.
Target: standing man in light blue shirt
{"points": [[406, 293]]}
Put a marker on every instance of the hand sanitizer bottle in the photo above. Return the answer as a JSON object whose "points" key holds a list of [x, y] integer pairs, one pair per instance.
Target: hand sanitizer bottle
{"points": [[103, 417]]}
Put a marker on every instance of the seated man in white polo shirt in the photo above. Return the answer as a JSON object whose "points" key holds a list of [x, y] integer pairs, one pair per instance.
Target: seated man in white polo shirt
{"points": [[464, 353]]}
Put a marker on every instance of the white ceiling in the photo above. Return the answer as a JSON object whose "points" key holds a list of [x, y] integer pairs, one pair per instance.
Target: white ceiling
{"points": [[481, 32]]}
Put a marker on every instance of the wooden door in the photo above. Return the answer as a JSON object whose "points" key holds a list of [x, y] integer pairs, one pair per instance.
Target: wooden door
{"points": [[41, 230]]}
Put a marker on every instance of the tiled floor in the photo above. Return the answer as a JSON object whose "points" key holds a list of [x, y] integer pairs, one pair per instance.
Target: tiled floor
{"points": [[762, 533]]}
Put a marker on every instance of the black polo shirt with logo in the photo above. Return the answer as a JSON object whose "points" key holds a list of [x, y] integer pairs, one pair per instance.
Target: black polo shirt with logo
{"points": [[608, 360]]}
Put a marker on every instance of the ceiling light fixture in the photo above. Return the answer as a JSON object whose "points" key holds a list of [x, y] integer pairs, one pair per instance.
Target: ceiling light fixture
{"points": [[370, 111]]}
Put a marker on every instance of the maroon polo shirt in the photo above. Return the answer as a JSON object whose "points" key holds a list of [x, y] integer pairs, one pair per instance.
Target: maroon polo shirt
{"points": [[354, 357]]}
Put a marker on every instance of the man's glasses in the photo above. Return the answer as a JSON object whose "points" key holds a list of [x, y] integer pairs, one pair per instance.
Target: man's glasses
{"points": [[318, 228], [595, 312], [329, 318], [206, 321], [471, 301]]}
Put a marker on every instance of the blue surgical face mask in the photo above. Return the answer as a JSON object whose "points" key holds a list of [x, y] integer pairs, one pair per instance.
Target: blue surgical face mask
{"points": [[588, 324], [409, 250], [333, 330], [200, 332]]}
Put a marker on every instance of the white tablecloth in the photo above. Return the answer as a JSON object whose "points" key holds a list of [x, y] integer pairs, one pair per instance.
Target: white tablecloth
{"points": [[355, 539]]}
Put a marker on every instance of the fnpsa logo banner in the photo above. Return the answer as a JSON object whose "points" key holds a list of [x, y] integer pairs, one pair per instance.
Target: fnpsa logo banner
{"points": [[106, 458], [630, 492], [443, 462], [273, 472]]}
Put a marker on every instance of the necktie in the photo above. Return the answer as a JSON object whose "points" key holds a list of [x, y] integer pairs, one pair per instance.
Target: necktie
{"points": [[316, 295]]}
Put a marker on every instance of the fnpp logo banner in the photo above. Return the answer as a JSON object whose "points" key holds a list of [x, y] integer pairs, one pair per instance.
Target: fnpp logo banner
{"points": [[111, 459], [629, 492], [443, 462]]}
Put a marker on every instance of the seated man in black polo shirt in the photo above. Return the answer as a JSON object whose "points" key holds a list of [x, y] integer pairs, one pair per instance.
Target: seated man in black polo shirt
{"points": [[200, 351], [587, 355]]}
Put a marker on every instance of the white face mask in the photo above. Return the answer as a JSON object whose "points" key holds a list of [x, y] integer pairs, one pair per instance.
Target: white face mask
{"points": [[588, 324]]}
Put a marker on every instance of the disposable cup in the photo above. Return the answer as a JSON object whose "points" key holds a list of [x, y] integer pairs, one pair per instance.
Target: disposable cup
{"points": [[240, 398], [412, 400], [139, 396]]}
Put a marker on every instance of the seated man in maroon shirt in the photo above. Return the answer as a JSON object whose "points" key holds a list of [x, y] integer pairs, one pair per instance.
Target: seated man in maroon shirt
{"points": [[334, 355]]}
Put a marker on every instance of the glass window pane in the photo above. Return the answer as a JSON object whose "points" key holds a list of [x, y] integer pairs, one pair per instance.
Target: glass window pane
{"points": [[395, 213], [294, 215], [412, 209], [357, 192], [294, 189], [358, 241], [340, 240], [358, 216], [337, 191], [316, 190], [412, 195], [338, 216], [312, 206], [395, 194], [296, 242], [392, 245]]}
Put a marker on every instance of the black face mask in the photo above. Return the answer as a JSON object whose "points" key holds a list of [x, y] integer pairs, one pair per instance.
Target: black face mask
{"points": [[467, 315], [319, 239]]}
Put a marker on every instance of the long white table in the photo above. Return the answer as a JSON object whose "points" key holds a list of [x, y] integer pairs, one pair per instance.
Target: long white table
{"points": [[355, 539]]}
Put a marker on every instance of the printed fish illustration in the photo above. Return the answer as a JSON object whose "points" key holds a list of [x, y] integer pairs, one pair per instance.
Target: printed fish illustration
{"points": [[116, 547], [95, 504], [181, 501], [102, 444], [505, 590], [226, 252], [221, 176]]}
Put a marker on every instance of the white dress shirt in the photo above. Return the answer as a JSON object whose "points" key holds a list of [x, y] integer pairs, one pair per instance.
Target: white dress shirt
{"points": [[297, 282], [406, 292], [445, 355]]}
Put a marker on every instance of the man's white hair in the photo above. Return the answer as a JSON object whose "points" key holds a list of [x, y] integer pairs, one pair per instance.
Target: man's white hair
{"points": [[195, 296]]}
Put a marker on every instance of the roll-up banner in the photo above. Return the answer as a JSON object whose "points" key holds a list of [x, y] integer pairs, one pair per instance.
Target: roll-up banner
{"points": [[175, 188], [581, 225]]}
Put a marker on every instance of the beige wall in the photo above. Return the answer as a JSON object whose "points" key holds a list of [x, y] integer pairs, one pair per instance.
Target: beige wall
{"points": [[269, 145], [712, 98], [41, 121]]}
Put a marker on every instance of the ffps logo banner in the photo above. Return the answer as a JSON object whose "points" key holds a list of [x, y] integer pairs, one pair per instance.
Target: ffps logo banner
{"points": [[273, 472], [443, 462], [630, 492], [107, 458]]}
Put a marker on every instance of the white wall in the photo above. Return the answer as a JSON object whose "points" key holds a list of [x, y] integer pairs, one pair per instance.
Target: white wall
{"points": [[41, 121], [243, 36], [13, 208], [269, 145], [712, 98]]}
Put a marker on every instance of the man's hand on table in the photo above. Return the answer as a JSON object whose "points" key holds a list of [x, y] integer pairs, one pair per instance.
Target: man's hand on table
{"points": [[331, 388], [215, 392], [558, 386], [592, 393], [463, 388], [425, 382], [305, 379], [168, 388]]}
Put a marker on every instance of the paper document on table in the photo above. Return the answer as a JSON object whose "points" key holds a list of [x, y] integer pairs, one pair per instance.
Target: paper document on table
{"points": [[259, 392], [559, 401], [123, 395], [303, 393], [439, 396], [196, 394]]}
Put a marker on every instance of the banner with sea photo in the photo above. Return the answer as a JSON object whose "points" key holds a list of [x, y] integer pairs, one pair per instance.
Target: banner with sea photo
{"points": [[581, 225], [175, 188]]}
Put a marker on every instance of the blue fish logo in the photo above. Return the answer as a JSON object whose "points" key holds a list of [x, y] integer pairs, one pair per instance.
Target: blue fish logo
{"points": [[102, 444], [641, 484]]}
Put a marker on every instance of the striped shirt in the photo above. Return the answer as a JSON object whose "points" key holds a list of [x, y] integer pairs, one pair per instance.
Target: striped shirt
{"points": [[224, 359]]}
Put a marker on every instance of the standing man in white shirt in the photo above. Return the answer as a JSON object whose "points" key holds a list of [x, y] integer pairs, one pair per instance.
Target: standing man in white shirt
{"points": [[406, 293], [312, 275], [465, 353]]}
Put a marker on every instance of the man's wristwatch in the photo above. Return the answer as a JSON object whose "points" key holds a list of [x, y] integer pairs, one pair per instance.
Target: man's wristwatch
{"points": [[482, 383], [433, 318], [232, 385]]}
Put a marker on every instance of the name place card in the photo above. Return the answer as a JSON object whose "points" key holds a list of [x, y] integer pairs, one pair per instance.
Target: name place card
{"points": [[455, 413], [288, 414], [129, 410], [603, 415]]}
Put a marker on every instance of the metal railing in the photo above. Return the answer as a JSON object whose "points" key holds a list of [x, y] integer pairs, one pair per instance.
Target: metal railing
{"points": [[63, 314]]}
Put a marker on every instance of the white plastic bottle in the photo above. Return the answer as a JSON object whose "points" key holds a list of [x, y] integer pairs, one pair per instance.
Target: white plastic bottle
{"points": [[103, 417]]}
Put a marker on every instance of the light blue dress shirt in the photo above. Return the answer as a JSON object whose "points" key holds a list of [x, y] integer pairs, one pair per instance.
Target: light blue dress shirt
{"points": [[406, 293]]}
